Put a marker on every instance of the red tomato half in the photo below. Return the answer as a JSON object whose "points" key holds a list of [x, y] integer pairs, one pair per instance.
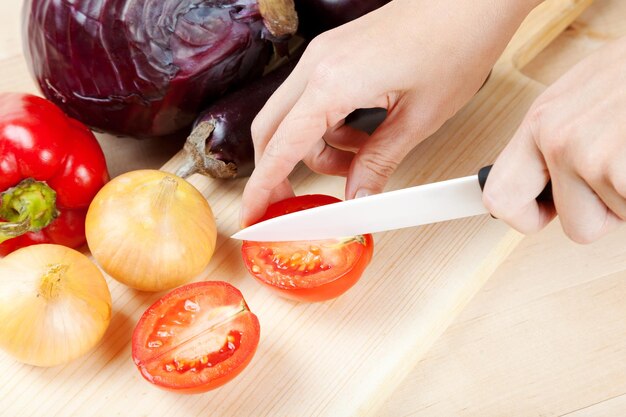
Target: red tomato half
{"points": [[308, 271], [196, 338]]}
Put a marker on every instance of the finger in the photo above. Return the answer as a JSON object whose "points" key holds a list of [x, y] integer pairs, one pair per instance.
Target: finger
{"points": [[325, 159], [251, 215], [611, 198], [518, 176], [381, 153], [346, 138], [607, 179], [277, 107], [583, 215], [301, 129]]}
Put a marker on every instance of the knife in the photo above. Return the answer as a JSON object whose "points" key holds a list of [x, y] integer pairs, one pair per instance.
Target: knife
{"points": [[409, 207]]}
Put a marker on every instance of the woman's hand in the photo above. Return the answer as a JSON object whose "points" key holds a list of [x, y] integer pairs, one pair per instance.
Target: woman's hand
{"points": [[422, 60], [575, 135]]}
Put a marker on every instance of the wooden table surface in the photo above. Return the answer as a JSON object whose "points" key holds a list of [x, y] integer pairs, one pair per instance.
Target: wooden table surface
{"points": [[544, 337]]}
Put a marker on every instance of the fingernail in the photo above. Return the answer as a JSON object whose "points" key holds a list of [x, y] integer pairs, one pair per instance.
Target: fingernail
{"points": [[362, 192]]}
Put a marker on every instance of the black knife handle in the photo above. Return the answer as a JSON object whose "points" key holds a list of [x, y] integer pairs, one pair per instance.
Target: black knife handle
{"points": [[544, 197]]}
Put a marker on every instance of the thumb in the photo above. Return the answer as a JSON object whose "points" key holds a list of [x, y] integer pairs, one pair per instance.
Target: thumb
{"points": [[518, 176], [381, 153]]}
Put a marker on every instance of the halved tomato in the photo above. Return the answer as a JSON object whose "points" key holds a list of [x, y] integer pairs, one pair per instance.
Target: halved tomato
{"points": [[196, 338], [308, 271]]}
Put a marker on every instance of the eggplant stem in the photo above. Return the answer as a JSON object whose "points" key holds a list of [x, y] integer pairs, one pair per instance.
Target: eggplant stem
{"points": [[279, 16], [187, 169], [201, 161]]}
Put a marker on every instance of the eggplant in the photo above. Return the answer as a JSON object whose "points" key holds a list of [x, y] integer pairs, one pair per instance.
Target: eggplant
{"points": [[317, 16], [220, 143]]}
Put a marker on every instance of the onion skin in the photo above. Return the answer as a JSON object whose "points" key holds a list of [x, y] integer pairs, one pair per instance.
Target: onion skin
{"points": [[146, 67], [54, 305], [151, 230]]}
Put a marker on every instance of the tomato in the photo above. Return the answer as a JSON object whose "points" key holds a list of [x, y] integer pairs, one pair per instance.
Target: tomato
{"points": [[195, 338], [308, 271]]}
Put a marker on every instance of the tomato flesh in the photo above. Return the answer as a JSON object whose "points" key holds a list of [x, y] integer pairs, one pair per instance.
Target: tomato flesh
{"points": [[195, 338], [308, 271]]}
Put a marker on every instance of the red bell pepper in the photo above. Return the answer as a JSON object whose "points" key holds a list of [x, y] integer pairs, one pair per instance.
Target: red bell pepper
{"points": [[51, 167]]}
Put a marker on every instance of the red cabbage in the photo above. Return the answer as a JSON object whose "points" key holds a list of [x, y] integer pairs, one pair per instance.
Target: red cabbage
{"points": [[147, 67]]}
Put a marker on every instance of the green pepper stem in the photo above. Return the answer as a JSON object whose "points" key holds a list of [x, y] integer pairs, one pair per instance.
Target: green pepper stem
{"points": [[9, 230], [28, 207]]}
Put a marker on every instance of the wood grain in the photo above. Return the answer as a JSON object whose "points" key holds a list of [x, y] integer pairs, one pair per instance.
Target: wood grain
{"points": [[545, 336], [342, 357]]}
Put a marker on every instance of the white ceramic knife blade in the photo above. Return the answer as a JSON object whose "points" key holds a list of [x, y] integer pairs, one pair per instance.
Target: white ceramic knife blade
{"points": [[415, 206]]}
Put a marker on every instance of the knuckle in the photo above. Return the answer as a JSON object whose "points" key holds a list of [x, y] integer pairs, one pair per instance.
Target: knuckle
{"points": [[552, 139], [315, 159], [257, 129], [592, 165], [491, 200], [318, 46], [537, 115], [616, 177], [274, 149], [323, 76], [619, 184], [379, 165], [554, 145], [581, 234], [321, 45], [497, 201]]}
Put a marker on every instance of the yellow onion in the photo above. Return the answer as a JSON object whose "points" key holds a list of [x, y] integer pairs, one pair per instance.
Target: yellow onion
{"points": [[151, 230], [54, 304]]}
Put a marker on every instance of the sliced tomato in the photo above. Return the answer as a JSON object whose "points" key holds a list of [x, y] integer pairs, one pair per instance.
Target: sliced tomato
{"points": [[196, 338], [308, 271]]}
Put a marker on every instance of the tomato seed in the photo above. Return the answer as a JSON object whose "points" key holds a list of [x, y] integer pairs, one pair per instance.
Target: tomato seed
{"points": [[232, 343], [191, 306], [296, 256]]}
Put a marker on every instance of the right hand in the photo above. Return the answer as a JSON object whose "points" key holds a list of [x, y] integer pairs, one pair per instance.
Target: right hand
{"points": [[422, 60]]}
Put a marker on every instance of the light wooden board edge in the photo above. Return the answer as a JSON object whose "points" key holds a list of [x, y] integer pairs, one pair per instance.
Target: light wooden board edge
{"points": [[485, 270], [557, 16]]}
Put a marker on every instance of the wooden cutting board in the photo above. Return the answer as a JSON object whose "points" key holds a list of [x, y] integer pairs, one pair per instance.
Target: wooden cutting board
{"points": [[342, 357]]}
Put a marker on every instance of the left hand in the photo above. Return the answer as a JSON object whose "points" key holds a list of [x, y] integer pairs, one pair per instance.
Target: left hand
{"points": [[575, 136]]}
